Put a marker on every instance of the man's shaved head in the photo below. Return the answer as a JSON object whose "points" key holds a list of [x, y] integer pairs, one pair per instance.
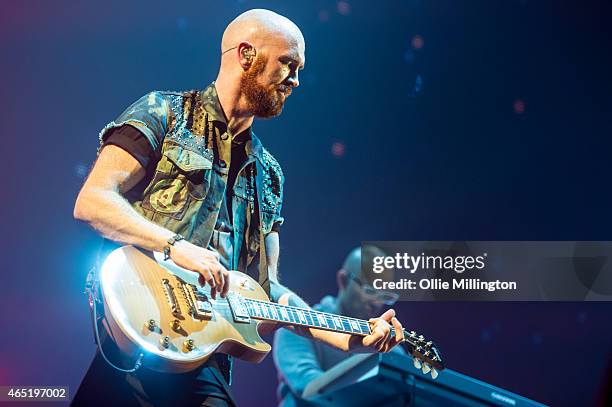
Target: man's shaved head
{"points": [[353, 300], [261, 54], [257, 26], [353, 262]]}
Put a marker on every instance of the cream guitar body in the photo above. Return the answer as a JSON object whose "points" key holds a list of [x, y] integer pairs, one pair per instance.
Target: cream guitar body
{"points": [[156, 306]]}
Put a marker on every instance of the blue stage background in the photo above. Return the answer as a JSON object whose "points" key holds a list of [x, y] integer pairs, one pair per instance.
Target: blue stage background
{"points": [[415, 120]]}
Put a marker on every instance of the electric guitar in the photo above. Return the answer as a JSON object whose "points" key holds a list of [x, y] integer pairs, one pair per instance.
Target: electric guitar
{"points": [[160, 314]]}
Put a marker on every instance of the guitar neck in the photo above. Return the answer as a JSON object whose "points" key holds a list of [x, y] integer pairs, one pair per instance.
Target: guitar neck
{"points": [[417, 345], [289, 315]]}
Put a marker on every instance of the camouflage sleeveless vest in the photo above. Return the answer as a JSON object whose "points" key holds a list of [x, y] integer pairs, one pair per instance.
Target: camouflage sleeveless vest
{"points": [[192, 144]]}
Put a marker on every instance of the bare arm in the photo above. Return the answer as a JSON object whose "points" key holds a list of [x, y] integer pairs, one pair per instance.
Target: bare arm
{"points": [[379, 340], [100, 203]]}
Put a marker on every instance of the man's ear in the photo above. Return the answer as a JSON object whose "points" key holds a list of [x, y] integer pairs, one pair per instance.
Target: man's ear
{"points": [[247, 53], [342, 278]]}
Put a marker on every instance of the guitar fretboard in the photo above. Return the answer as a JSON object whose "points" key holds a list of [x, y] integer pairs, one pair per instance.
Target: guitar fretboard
{"points": [[305, 317]]}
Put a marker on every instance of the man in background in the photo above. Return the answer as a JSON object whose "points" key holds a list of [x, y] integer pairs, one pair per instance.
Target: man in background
{"points": [[298, 359]]}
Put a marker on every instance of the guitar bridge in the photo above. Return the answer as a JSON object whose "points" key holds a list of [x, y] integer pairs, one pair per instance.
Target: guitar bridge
{"points": [[172, 301]]}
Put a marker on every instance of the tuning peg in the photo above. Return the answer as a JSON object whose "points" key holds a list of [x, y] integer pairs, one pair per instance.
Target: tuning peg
{"points": [[434, 373], [417, 363], [428, 344], [425, 369], [421, 338]]}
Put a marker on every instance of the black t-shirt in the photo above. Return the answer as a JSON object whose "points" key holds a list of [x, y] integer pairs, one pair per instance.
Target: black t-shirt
{"points": [[136, 144]]}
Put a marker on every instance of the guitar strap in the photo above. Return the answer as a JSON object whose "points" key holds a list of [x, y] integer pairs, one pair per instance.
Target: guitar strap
{"points": [[263, 279]]}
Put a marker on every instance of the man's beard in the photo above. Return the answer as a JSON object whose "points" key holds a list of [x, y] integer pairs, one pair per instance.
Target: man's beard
{"points": [[262, 101]]}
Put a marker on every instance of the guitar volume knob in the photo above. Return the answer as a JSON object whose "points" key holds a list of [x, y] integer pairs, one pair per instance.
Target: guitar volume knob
{"points": [[150, 325], [165, 342], [189, 345]]}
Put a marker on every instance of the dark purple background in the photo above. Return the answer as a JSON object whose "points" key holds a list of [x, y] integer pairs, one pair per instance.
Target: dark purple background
{"points": [[492, 124]]}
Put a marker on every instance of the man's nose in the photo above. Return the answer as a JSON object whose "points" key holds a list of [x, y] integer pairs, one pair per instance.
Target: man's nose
{"points": [[293, 80]]}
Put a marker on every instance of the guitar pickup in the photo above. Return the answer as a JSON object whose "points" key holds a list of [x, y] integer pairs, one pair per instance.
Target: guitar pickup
{"points": [[204, 307], [239, 311], [201, 308]]}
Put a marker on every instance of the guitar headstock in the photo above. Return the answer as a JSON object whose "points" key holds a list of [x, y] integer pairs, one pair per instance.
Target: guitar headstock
{"points": [[426, 355]]}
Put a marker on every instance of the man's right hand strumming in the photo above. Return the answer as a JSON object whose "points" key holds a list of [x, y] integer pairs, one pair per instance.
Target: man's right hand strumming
{"points": [[203, 261]]}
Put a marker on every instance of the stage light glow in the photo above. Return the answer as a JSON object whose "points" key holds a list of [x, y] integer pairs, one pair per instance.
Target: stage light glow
{"points": [[418, 85], [323, 16], [338, 149], [182, 23], [80, 170], [344, 8], [409, 56], [537, 339], [417, 42], [519, 106]]}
